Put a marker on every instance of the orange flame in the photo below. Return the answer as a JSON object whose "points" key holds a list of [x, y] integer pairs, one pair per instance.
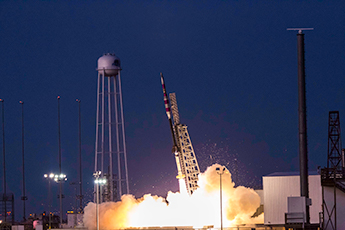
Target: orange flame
{"points": [[179, 209]]}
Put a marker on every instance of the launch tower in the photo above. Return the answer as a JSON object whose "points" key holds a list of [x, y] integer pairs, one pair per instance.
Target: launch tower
{"points": [[110, 146], [186, 162]]}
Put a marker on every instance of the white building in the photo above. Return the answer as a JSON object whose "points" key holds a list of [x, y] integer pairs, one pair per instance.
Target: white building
{"points": [[277, 187]]}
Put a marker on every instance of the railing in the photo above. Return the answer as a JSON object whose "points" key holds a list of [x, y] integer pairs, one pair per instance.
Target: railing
{"points": [[328, 173], [295, 219]]}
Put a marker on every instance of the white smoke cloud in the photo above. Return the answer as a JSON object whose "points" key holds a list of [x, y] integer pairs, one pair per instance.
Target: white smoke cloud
{"points": [[180, 209]]}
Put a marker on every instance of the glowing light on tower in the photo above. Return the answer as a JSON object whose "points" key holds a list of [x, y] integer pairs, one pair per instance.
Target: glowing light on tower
{"points": [[110, 146]]}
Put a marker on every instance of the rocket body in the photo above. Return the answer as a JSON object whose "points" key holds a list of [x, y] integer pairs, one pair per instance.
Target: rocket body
{"points": [[166, 100], [175, 149], [168, 112]]}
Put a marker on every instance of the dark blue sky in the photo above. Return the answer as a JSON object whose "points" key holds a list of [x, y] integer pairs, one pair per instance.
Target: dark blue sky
{"points": [[232, 65]]}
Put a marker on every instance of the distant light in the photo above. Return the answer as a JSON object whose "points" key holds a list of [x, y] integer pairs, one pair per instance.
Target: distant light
{"points": [[45, 175], [100, 181], [62, 176]]}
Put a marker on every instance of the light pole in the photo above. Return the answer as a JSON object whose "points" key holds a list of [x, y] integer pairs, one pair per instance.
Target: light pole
{"points": [[59, 178], [49, 178], [220, 172], [3, 157], [80, 197], [98, 182], [24, 197]]}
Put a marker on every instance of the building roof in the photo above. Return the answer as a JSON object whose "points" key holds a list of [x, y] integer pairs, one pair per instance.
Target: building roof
{"points": [[312, 173]]}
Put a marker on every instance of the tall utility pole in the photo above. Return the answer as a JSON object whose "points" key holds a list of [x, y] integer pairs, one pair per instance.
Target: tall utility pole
{"points": [[24, 197], [80, 197], [60, 182], [302, 119], [3, 158]]}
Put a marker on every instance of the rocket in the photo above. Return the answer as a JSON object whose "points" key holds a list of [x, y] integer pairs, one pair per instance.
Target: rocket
{"points": [[168, 112], [175, 149], [166, 100]]}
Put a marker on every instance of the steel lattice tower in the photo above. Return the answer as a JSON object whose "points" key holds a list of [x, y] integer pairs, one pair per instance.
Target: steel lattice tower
{"points": [[333, 176], [188, 161], [335, 159], [110, 146]]}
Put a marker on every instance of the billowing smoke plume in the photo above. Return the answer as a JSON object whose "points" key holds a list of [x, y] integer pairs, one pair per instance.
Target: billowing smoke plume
{"points": [[180, 209]]}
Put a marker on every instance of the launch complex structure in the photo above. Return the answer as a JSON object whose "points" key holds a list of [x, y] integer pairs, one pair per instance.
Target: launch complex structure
{"points": [[186, 162], [110, 146]]}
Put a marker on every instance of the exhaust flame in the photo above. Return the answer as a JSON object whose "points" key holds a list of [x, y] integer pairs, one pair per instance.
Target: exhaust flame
{"points": [[179, 209]]}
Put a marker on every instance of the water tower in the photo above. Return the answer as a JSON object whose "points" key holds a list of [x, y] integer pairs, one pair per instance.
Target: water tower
{"points": [[110, 146]]}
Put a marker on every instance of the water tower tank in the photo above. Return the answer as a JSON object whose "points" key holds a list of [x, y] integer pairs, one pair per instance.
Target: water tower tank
{"points": [[109, 63]]}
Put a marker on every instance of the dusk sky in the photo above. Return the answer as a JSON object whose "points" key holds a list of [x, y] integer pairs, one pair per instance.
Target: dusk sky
{"points": [[232, 65]]}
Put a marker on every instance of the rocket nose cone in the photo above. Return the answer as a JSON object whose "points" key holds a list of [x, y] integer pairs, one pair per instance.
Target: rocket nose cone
{"points": [[162, 80]]}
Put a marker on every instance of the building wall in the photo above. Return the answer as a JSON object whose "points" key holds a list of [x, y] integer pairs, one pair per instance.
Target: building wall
{"points": [[278, 188], [340, 207]]}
